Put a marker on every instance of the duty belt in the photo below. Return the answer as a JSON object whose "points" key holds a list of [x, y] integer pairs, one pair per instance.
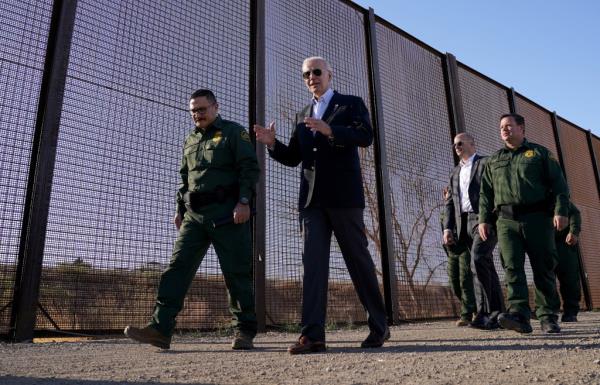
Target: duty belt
{"points": [[197, 200], [516, 211]]}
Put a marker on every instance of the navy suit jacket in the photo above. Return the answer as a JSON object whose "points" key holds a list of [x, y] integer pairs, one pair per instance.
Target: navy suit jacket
{"points": [[330, 175], [453, 209]]}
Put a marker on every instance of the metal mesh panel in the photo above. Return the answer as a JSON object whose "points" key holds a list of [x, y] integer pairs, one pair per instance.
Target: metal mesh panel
{"points": [[24, 29], [336, 32], [419, 156], [133, 66], [596, 146], [538, 124], [589, 241], [483, 102], [578, 165], [584, 193]]}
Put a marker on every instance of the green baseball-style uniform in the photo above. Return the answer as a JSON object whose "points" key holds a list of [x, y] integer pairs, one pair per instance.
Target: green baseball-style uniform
{"points": [[567, 270], [461, 276], [218, 169], [522, 186]]}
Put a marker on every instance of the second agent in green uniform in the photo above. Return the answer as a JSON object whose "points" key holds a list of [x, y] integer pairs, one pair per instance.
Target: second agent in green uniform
{"points": [[521, 183], [567, 270], [218, 172]]}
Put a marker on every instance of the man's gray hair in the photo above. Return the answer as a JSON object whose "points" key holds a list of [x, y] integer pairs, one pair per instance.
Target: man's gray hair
{"points": [[466, 135], [320, 59]]}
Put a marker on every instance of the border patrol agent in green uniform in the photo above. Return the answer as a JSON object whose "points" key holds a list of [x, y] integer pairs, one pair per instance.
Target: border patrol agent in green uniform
{"points": [[460, 275], [218, 172], [522, 182], [567, 270]]}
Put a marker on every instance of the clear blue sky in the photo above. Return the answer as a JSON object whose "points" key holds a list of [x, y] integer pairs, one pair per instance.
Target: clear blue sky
{"points": [[548, 51]]}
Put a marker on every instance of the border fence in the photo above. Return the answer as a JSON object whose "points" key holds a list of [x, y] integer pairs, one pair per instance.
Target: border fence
{"points": [[93, 112]]}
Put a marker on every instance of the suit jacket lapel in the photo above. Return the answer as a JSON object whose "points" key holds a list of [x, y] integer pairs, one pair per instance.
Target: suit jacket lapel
{"points": [[306, 112], [456, 187], [474, 168]]}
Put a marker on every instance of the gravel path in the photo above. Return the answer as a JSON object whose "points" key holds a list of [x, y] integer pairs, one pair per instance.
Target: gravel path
{"points": [[419, 353]]}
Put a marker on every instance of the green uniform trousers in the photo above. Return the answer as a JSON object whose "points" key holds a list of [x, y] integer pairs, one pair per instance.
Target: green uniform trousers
{"points": [[567, 272], [533, 234], [461, 278], [232, 243]]}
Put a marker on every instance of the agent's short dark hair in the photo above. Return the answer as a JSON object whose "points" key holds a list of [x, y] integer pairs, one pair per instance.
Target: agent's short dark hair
{"points": [[518, 118], [208, 94]]}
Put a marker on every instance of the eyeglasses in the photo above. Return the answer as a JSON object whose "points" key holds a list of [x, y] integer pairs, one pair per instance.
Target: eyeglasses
{"points": [[316, 72], [457, 144], [201, 110]]}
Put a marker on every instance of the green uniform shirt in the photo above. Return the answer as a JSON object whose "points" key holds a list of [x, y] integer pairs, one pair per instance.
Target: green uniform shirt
{"points": [[527, 175], [222, 155]]}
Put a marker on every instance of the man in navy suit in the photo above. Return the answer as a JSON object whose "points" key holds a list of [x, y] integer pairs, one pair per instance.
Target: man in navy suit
{"points": [[462, 213], [325, 141]]}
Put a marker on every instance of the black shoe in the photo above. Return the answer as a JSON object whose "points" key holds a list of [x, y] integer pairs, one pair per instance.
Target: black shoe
{"points": [[374, 340], [480, 321], [515, 321], [492, 324], [550, 326], [568, 318]]}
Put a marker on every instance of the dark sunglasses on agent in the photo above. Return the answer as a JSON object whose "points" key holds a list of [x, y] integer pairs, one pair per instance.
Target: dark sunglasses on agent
{"points": [[316, 72], [458, 144]]}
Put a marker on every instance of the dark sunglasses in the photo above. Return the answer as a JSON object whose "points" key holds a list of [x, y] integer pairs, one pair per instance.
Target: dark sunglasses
{"points": [[316, 72], [454, 145]]}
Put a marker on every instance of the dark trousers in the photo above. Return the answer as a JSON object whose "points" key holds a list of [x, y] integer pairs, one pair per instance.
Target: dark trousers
{"points": [[461, 278], [349, 229], [567, 272], [232, 243], [532, 234], [488, 292]]}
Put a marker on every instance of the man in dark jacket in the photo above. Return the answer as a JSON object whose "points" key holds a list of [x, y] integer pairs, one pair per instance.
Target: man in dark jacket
{"points": [[462, 214], [325, 141]]}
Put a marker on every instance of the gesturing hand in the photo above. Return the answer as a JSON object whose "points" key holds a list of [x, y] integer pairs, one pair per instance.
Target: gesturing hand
{"points": [[265, 135], [318, 125]]}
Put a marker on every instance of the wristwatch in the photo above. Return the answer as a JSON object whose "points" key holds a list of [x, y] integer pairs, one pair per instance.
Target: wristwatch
{"points": [[244, 201]]}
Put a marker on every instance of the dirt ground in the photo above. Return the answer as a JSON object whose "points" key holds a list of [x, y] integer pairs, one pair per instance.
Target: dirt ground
{"points": [[418, 353]]}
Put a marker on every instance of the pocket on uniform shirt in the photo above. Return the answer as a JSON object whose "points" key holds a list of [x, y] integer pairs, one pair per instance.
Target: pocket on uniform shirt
{"points": [[216, 156], [531, 168], [499, 164], [191, 154]]}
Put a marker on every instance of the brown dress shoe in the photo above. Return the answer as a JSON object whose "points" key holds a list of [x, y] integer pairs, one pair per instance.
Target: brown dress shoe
{"points": [[305, 345], [148, 335]]}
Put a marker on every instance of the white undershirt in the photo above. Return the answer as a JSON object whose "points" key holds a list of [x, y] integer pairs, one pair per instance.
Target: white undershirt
{"points": [[465, 180]]}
